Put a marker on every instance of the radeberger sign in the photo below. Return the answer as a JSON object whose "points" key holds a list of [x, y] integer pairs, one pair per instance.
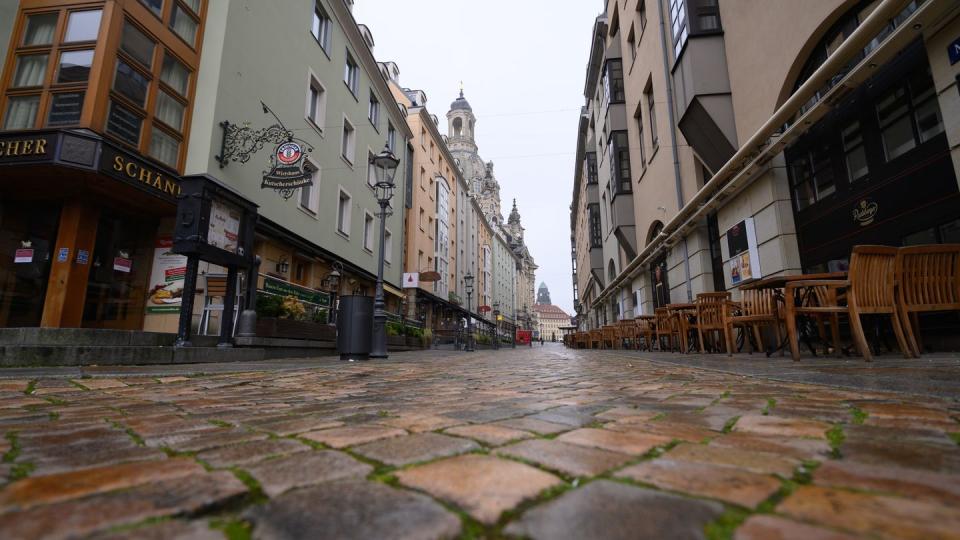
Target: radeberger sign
{"points": [[288, 169]]}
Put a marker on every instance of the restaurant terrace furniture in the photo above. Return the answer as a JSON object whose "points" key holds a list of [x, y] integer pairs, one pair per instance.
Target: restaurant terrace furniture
{"points": [[627, 334], [596, 338], [666, 327], [757, 308], [609, 339], [928, 280], [682, 314], [645, 329], [869, 290], [713, 310]]}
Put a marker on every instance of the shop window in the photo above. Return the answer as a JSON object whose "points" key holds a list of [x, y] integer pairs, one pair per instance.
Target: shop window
{"points": [[183, 23], [65, 109], [321, 27], [82, 26]]}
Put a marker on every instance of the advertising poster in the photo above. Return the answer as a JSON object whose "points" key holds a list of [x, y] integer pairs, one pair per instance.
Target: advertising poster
{"points": [[224, 226], [744, 255], [166, 279]]}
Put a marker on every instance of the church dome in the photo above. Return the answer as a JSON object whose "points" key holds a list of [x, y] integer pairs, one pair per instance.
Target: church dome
{"points": [[461, 104]]}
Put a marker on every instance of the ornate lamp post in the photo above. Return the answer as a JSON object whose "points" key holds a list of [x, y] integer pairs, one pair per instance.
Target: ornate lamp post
{"points": [[332, 284], [496, 323], [468, 287], [385, 164]]}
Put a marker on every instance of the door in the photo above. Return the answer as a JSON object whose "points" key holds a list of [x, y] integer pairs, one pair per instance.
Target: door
{"points": [[28, 232]]}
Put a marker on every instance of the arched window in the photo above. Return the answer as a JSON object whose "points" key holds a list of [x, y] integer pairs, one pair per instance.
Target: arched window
{"points": [[655, 230], [612, 270], [457, 127]]}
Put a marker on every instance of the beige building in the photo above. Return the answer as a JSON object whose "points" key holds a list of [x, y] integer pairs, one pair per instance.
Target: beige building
{"points": [[550, 320], [759, 142]]}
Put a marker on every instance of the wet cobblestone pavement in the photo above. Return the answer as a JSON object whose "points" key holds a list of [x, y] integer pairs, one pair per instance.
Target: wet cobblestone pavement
{"points": [[538, 443]]}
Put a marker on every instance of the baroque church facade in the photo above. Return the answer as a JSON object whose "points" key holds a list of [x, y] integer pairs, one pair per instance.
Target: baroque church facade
{"points": [[485, 189]]}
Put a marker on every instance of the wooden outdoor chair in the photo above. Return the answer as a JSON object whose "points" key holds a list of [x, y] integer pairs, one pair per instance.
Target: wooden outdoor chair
{"points": [[596, 338], [645, 329], [757, 308], [713, 312], [666, 327], [609, 338], [870, 290], [582, 340], [627, 334], [928, 280]]}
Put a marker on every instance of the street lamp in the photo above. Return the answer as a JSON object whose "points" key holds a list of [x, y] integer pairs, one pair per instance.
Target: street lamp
{"points": [[496, 323], [332, 284], [385, 165], [468, 287]]}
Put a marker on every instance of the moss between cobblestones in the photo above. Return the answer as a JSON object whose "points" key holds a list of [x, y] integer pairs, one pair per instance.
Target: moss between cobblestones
{"points": [[53, 415], [11, 455], [221, 423], [31, 387], [835, 437], [724, 526], [129, 431], [78, 385], [955, 437], [859, 415], [54, 400], [771, 403], [255, 494], [128, 527], [233, 529], [658, 417], [728, 426]]}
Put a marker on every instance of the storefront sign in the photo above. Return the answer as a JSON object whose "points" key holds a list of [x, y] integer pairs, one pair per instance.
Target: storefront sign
{"points": [[23, 256], [224, 226], [121, 264], [304, 294], [129, 169], [166, 278], [23, 147], [287, 169], [83, 256], [411, 280], [865, 212], [953, 51], [63, 254], [744, 255]]}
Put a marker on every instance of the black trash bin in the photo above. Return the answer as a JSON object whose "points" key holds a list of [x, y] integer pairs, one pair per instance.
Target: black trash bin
{"points": [[355, 327]]}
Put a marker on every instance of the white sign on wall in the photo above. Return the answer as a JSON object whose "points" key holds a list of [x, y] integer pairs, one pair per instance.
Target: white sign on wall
{"points": [[744, 255], [411, 280]]}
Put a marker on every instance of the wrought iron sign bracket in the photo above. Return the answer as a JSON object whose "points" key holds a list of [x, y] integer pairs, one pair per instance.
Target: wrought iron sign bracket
{"points": [[240, 142]]}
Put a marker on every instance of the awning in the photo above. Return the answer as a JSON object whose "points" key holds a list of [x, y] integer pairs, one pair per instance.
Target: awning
{"points": [[393, 290]]}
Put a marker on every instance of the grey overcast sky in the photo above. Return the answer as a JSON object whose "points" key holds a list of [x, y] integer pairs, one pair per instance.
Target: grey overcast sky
{"points": [[522, 63]]}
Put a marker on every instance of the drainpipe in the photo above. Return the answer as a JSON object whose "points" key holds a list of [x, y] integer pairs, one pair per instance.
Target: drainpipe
{"points": [[673, 141]]}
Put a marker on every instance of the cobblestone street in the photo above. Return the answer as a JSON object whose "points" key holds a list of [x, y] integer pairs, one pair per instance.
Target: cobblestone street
{"points": [[539, 443]]}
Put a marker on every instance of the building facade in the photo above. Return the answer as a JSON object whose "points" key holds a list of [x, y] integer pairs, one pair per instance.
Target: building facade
{"points": [[119, 99], [551, 320], [764, 142]]}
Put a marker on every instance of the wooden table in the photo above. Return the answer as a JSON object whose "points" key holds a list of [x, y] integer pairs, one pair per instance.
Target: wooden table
{"points": [[779, 282]]}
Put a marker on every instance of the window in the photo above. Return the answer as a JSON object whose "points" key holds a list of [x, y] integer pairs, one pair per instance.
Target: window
{"points": [[65, 109], [909, 115], [651, 114], [619, 156], [164, 148], [591, 164], [387, 246], [184, 23], [82, 26], [156, 6], [639, 117], [368, 232], [310, 195], [316, 103], [124, 124], [343, 213], [348, 141], [321, 27], [21, 112], [371, 170], [596, 235], [136, 44], [423, 215], [632, 43], [678, 25], [31, 70], [854, 154], [642, 14], [129, 83], [704, 16], [812, 176], [613, 82], [351, 75], [423, 138], [39, 29], [74, 66], [391, 137], [175, 75], [373, 111]]}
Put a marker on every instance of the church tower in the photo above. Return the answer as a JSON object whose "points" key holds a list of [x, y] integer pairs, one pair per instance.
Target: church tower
{"points": [[543, 295], [513, 224], [461, 126]]}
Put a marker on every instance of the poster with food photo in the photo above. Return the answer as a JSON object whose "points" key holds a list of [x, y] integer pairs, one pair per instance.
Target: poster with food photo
{"points": [[166, 279]]}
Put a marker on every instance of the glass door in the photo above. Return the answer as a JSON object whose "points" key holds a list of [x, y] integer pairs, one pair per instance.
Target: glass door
{"points": [[27, 235]]}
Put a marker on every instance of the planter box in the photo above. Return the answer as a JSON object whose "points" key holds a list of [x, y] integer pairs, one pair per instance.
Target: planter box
{"points": [[396, 341], [291, 329]]}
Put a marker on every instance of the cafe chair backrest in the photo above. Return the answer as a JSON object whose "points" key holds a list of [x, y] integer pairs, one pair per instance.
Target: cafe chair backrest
{"points": [[872, 276], [928, 277], [710, 308], [758, 303]]}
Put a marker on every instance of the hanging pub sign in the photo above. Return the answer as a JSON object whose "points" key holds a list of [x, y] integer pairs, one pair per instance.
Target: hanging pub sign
{"points": [[289, 169]]}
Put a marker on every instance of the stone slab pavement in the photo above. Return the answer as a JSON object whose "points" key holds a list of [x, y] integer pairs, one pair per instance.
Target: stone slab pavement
{"points": [[540, 442]]}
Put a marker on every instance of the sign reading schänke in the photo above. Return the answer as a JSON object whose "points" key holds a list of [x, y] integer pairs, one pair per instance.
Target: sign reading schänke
{"points": [[289, 169]]}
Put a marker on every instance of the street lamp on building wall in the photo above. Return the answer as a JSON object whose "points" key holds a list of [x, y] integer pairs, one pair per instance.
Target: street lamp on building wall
{"points": [[468, 287], [385, 165], [496, 322], [331, 283]]}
